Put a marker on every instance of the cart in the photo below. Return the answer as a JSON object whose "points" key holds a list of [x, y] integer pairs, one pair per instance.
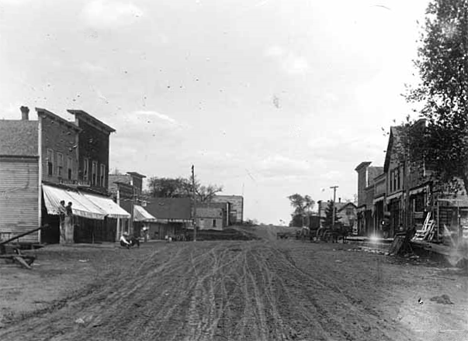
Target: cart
{"points": [[16, 256]]}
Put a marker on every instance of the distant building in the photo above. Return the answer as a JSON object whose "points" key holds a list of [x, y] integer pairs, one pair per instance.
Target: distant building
{"points": [[346, 212], [236, 207], [212, 216], [173, 216], [127, 191], [367, 176]]}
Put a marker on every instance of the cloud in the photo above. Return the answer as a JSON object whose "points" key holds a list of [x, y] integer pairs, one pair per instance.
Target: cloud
{"points": [[148, 116], [110, 14], [90, 68], [279, 165], [142, 127], [143, 137], [275, 51], [288, 61], [12, 111], [14, 2]]}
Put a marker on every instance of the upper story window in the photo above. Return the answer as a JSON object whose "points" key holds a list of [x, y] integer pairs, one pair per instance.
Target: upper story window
{"points": [[398, 178], [59, 164], [395, 180], [94, 173], [102, 175], [349, 211], [50, 162], [69, 168], [86, 169]]}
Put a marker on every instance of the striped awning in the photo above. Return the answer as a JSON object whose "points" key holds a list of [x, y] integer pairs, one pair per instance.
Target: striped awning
{"points": [[107, 205], [81, 206], [140, 214]]}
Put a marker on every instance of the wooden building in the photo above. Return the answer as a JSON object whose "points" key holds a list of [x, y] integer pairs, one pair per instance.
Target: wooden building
{"points": [[46, 170]]}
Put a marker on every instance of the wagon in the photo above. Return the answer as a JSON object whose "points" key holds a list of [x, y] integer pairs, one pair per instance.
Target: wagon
{"points": [[12, 254]]}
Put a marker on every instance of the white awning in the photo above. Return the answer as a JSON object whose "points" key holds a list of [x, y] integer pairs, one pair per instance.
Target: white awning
{"points": [[376, 200], [81, 206], [108, 206], [418, 190], [394, 196], [140, 214]]}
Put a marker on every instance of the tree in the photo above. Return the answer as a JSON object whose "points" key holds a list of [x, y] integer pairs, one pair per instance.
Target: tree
{"points": [[206, 193], [181, 188], [442, 64], [302, 206], [328, 219], [169, 188]]}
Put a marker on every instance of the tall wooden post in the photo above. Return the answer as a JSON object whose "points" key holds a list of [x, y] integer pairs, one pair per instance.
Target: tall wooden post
{"points": [[333, 205], [194, 217]]}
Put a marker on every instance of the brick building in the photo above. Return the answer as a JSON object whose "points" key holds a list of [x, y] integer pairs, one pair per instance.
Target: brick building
{"points": [[367, 175], [93, 150], [46, 153]]}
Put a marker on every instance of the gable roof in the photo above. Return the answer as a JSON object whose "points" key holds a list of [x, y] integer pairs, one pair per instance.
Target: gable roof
{"points": [[338, 204], [18, 138], [346, 205], [393, 138], [170, 208]]}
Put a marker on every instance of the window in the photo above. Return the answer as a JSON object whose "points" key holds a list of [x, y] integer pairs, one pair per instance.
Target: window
{"points": [[59, 164], [50, 162], [69, 168], [86, 169], [94, 173], [214, 222], [398, 177], [349, 211], [102, 175], [394, 180]]}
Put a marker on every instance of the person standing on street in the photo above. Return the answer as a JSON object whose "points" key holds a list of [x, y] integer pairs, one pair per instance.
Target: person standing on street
{"points": [[62, 214], [68, 223], [145, 232]]}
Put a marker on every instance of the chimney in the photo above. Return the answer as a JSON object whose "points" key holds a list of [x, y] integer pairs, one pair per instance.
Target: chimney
{"points": [[24, 113]]}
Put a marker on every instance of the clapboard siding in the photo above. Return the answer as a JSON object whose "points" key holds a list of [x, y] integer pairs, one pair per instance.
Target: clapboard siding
{"points": [[19, 197]]}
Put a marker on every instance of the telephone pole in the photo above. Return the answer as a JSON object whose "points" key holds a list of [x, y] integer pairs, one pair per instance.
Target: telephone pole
{"points": [[194, 216], [333, 205]]}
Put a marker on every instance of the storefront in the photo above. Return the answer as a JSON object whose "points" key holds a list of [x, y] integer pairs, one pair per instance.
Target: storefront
{"points": [[94, 216]]}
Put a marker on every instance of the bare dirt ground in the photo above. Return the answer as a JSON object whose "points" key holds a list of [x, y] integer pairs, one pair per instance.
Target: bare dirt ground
{"points": [[231, 290]]}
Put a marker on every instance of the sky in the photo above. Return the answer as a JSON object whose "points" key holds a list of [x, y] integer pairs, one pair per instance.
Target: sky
{"points": [[265, 97]]}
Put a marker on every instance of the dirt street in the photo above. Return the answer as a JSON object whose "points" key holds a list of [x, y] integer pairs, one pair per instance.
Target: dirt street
{"points": [[234, 290]]}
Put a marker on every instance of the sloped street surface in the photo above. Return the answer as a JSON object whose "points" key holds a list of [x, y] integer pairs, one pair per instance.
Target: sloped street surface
{"points": [[252, 290]]}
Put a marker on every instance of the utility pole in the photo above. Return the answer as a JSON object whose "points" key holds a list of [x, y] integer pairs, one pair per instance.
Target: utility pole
{"points": [[333, 205], [194, 217], [132, 213]]}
